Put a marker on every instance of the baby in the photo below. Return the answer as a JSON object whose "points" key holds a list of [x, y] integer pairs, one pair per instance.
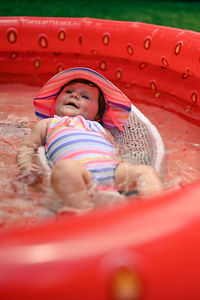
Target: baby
{"points": [[76, 106]]}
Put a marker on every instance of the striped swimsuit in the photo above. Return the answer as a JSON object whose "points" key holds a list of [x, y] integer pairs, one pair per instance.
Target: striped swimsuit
{"points": [[86, 142]]}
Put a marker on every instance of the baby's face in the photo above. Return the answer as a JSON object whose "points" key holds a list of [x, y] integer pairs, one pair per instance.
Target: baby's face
{"points": [[78, 99]]}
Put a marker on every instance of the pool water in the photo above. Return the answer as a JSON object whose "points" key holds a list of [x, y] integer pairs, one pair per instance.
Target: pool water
{"points": [[26, 205]]}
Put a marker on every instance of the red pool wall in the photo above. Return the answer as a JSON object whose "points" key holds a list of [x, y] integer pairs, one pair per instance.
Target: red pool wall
{"points": [[158, 58]]}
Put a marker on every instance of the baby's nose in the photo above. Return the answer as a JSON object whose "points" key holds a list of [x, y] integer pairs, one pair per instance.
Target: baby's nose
{"points": [[75, 95]]}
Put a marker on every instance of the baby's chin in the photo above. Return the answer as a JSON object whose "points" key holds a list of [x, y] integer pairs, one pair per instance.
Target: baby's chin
{"points": [[69, 112], [74, 112]]}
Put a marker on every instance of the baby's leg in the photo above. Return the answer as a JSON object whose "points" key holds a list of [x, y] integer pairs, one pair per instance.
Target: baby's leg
{"points": [[71, 181], [142, 177]]}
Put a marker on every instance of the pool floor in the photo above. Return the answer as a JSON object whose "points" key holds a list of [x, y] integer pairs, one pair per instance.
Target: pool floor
{"points": [[26, 205]]}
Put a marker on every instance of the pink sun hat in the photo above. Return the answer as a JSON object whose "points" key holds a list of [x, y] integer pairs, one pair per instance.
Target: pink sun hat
{"points": [[118, 106]]}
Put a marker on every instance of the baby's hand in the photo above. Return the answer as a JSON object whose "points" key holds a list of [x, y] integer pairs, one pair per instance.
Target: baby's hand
{"points": [[29, 173]]}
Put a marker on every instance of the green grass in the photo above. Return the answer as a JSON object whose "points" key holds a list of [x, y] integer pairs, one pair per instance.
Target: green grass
{"points": [[180, 14]]}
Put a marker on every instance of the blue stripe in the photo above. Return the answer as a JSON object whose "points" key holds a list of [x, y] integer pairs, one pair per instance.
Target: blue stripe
{"points": [[75, 134], [39, 115], [46, 97], [120, 105], [75, 142], [90, 125], [82, 69], [101, 170], [103, 178], [96, 126]]}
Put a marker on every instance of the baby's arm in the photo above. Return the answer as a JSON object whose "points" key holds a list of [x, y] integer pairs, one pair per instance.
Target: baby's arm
{"points": [[30, 145]]}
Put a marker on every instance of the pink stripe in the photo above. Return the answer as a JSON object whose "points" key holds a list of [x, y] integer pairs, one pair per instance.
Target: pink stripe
{"points": [[90, 151], [99, 161]]}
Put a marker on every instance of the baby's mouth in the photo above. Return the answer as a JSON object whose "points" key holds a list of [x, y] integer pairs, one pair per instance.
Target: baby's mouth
{"points": [[72, 104]]}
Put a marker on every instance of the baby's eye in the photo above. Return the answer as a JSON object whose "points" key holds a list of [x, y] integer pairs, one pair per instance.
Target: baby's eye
{"points": [[85, 97], [68, 91]]}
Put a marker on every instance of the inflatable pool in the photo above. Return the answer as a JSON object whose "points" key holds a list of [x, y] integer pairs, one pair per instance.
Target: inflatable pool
{"points": [[144, 249]]}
